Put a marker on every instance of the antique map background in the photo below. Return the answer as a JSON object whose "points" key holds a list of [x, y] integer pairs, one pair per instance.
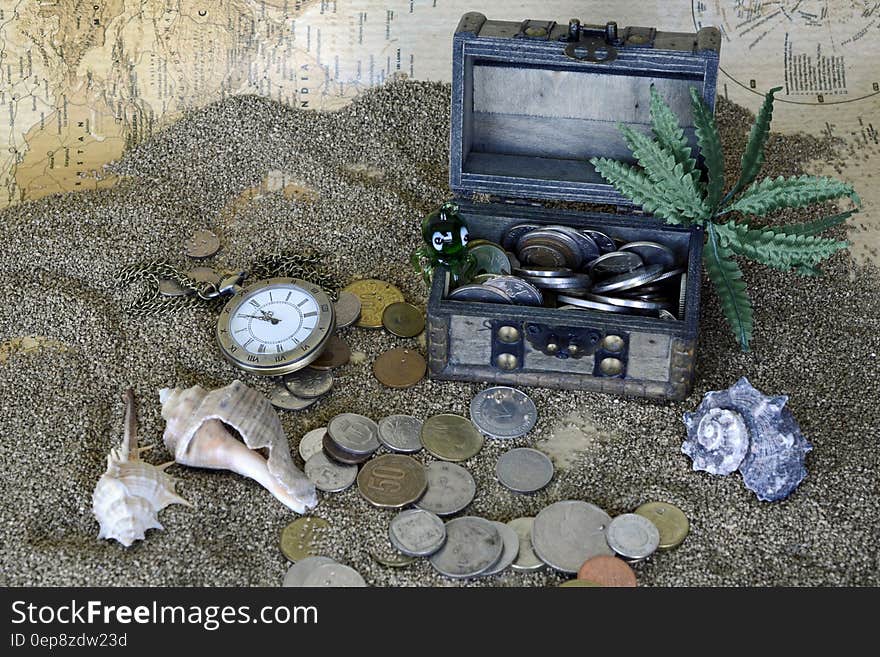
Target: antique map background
{"points": [[82, 80]]}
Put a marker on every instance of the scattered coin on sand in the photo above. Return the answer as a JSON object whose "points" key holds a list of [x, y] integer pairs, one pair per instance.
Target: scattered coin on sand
{"points": [[397, 560], [392, 481], [336, 453], [202, 244], [297, 573], [298, 537], [472, 545], [375, 296], [310, 444], [605, 570], [284, 399], [451, 437], [526, 559], [450, 488], [336, 354], [632, 536], [670, 522], [335, 575], [348, 309], [567, 533], [503, 412], [401, 433], [328, 475], [354, 433], [417, 533], [309, 383], [400, 368], [510, 540], [524, 470], [403, 320]]}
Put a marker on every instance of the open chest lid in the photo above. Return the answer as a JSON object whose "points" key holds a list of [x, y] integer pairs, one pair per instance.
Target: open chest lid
{"points": [[533, 101]]}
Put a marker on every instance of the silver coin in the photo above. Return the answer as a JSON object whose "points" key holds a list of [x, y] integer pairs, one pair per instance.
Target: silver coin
{"points": [[605, 243], [503, 412], [491, 258], [170, 288], [515, 233], [510, 539], [550, 272], [651, 253], [615, 262], [552, 239], [401, 433], [682, 295], [328, 475], [524, 470], [526, 559], [633, 536], [297, 573], [282, 398], [567, 533], [354, 433], [629, 280], [636, 304], [309, 383], [311, 443], [665, 314], [450, 488], [348, 309], [666, 276], [519, 290], [417, 533], [472, 545], [588, 247], [546, 256], [573, 282], [202, 244], [335, 575], [479, 293], [586, 304]]}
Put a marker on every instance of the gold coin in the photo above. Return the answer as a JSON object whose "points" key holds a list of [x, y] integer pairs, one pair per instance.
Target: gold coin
{"points": [[400, 368], [392, 481], [451, 437], [398, 560], [375, 296], [403, 320], [578, 583], [298, 538], [335, 354], [670, 521]]}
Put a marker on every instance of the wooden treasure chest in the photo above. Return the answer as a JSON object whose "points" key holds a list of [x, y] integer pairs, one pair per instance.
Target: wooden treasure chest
{"points": [[532, 102]]}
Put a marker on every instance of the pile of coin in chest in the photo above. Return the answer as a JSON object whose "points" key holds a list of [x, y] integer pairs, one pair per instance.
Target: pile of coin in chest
{"points": [[570, 268], [570, 536]]}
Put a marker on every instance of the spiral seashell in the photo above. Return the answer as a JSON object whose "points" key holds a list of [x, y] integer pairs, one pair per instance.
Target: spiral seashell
{"points": [[129, 495], [198, 431], [717, 442]]}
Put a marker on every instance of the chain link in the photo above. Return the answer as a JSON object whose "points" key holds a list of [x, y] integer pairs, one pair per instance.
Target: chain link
{"points": [[149, 275]]}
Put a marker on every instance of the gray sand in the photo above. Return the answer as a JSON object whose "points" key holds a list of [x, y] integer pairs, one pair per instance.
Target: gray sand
{"points": [[377, 168]]}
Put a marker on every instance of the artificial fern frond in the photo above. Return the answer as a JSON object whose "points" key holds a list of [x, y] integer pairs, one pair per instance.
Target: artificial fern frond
{"points": [[669, 177], [815, 227], [670, 136], [710, 147], [731, 288], [753, 157], [637, 187], [772, 194], [777, 250], [809, 270]]}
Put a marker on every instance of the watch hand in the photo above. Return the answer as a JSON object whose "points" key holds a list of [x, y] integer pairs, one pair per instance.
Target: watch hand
{"points": [[265, 318], [270, 315]]}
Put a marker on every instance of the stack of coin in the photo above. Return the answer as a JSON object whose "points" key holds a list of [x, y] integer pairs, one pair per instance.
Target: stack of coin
{"points": [[564, 267]]}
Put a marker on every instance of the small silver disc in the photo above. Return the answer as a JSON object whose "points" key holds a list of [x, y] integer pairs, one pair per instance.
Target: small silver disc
{"points": [[354, 433], [519, 290], [311, 443], [284, 399], [335, 575], [524, 470], [348, 309], [567, 533], [651, 253], [503, 412], [472, 545], [491, 258], [633, 536], [417, 533], [450, 488], [510, 539], [526, 559], [329, 476], [297, 573], [309, 383], [401, 433], [629, 280], [479, 293], [586, 304], [605, 243], [614, 262]]}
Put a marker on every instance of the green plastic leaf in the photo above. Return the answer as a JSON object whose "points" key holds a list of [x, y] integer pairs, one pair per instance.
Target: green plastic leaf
{"points": [[710, 147], [670, 135], [669, 177], [809, 270], [774, 249], [731, 288], [772, 194], [815, 227], [638, 188], [753, 157]]}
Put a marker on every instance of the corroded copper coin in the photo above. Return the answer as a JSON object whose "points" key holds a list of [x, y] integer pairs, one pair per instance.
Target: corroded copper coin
{"points": [[335, 354], [375, 296], [400, 368], [392, 481], [298, 538], [403, 320], [607, 571], [337, 453], [202, 244]]}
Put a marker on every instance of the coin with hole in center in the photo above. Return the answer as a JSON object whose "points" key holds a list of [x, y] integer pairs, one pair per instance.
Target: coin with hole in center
{"points": [[401, 433], [605, 570], [450, 488], [202, 244], [451, 437], [329, 476], [670, 522], [400, 368], [310, 443], [524, 470], [348, 309], [309, 383], [403, 320], [503, 412], [375, 296], [392, 481], [336, 354], [472, 545], [417, 533], [299, 537], [567, 533]]}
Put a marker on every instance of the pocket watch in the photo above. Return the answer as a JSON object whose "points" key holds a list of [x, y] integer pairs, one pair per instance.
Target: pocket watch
{"points": [[275, 326]]}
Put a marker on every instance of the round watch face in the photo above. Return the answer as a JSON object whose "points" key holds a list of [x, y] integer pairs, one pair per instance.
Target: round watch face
{"points": [[275, 326]]}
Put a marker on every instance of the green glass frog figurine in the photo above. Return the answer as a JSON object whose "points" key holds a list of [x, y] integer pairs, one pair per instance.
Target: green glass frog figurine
{"points": [[446, 238]]}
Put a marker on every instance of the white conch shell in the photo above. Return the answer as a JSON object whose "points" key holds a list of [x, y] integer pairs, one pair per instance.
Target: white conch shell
{"points": [[130, 494], [197, 433]]}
